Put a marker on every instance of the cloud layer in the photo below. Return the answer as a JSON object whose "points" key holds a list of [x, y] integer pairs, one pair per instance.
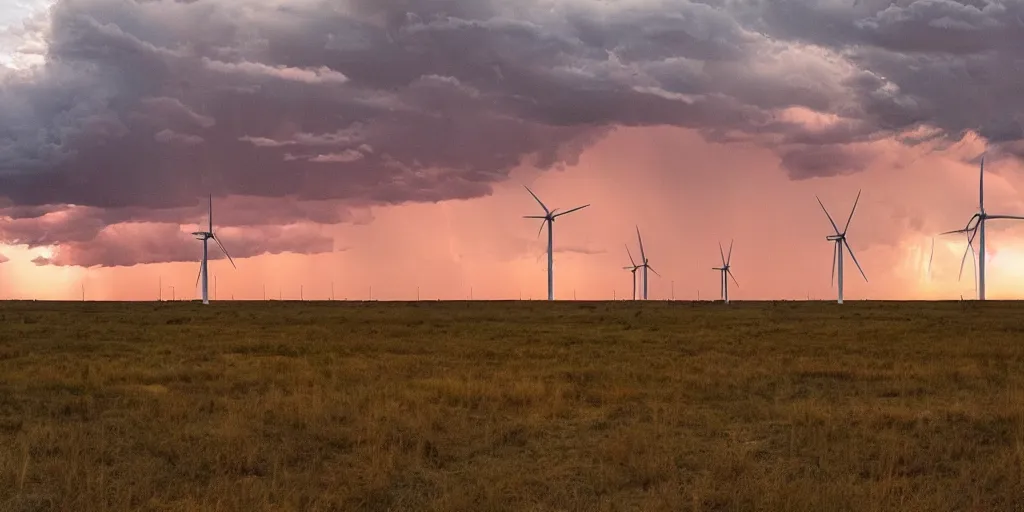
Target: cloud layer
{"points": [[325, 107]]}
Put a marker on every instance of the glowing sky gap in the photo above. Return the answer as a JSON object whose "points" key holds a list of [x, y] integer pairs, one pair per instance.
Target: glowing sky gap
{"points": [[978, 229], [549, 219], [840, 241], [204, 267]]}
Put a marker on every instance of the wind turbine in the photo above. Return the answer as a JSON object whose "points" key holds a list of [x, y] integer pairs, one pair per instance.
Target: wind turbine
{"points": [[632, 270], [978, 220], [646, 263], [840, 240], [549, 219], [204, 267], [725, 270]]}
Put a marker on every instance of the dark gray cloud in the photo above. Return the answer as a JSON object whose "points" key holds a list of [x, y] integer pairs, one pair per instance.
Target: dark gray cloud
{"points": [[136, 243], [322, 107]]}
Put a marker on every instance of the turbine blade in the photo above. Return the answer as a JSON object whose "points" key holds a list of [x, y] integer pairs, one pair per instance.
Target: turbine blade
{"points": [[835, 256], [200, 274], [631, 261], [974, 265], [721, 253], [733, 278], [855, 201], [538, 199], [981, 186], [729, 257], [963, 259], [854, 258], [965, 230], [534, 217], [570, 211], [541, 230], [829, 216], [211, 213], [652, 270], [931, 256], [643, 257], [1014, 217], [216, 239]]}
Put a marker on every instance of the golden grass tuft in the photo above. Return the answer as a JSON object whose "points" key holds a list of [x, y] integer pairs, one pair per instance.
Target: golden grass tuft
{"points": [[519, 406]]}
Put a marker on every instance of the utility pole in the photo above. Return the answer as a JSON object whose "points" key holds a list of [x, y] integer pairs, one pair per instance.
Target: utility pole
{"points": [[83, 292], [160, 293], [300, 293], [172, 293], [673, 290], [417, 294], [214, 287], [332, 290]]}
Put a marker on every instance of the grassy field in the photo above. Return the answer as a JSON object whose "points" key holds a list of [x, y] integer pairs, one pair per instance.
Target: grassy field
{"points": [[513, 406]]}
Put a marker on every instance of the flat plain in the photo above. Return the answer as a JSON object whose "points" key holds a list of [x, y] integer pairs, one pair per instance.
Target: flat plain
{"points": [[518, 406]]}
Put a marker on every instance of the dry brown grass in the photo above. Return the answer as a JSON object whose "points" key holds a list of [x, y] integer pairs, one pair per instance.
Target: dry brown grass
{"points": [[512, 406]]}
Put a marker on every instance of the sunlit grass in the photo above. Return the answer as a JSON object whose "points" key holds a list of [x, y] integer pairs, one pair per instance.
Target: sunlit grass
{"points": [[511, 406]]}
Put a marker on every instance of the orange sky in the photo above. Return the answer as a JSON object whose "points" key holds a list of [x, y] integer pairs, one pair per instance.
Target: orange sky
{"points": [[685, 194]]}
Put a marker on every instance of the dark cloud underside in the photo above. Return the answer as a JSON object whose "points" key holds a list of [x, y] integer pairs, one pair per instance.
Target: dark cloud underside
{"points": [[141, 108]]}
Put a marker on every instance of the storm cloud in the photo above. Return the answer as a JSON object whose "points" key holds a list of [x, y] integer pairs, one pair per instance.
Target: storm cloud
{"points": [[325, 107]]}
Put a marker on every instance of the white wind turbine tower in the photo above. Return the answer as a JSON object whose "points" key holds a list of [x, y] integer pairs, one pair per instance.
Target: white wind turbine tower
{"points": [[726, 272], [646, 265], [632, 270], [204, 268], [978, 220], [840, 240], [549, 219]]}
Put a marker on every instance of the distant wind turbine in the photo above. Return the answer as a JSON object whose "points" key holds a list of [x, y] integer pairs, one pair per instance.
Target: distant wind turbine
{"points": [[646, 263], [549, 219], [633, 268], [726, 272], [978, 220], [840, 240], [204, 267], [931, 256]]}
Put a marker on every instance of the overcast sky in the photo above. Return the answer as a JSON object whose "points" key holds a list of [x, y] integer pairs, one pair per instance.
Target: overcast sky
{"points": [[384, 144]]}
